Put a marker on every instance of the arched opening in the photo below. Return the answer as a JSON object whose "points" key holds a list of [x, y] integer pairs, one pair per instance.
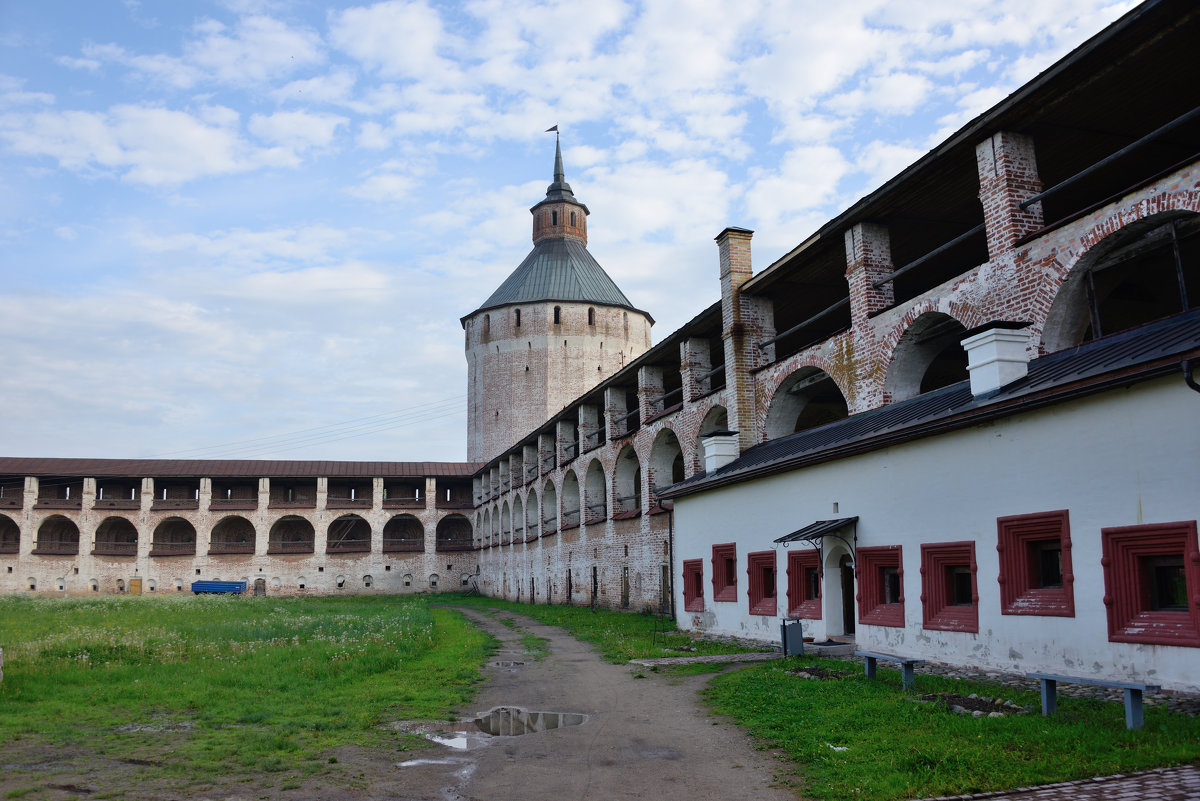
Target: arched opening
{"points": [[494, 539], [233, 534], [516, 318], [115, 536], [717, 419], [348, 534], [533, 521], [485, 530], [1145, 272], [558, 315], [591, 316], [291, 534], [570, 500], [666, 462], [10, 535], [518, 520], [505, 524], [627, 480], [57, 536], [928, 356], [403, 534], [174, 537], [454, 534], [806, 399], [596, 493], [549, 510]]}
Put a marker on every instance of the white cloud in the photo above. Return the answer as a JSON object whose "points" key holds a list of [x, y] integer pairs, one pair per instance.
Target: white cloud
{"points": [[297, 131], [397, 38], [256, 50], [335, 87], [151, 146], [66, 233]]}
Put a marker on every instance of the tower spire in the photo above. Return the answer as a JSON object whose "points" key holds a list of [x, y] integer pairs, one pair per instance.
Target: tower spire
{"points": [[560, 189], [559, 174]]}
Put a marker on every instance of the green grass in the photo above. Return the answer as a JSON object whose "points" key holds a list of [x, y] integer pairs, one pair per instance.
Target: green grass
{"points": [[896, 748], [212, 685], [620, 636]]}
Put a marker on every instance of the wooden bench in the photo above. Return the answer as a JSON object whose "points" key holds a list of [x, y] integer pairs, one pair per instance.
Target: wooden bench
{"points": [[906, 665], [233, 587], [1134, 718]]}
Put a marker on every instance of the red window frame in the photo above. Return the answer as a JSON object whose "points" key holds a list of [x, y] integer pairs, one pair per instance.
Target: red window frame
{"points": [[1017, 537], [868, 569], [693, 585], [802, 603], [724, 570], [762, 593], [938, 610], [1127, 590]]}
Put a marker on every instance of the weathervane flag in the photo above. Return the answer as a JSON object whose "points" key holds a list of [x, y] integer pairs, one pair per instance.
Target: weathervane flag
{"points": [[552, 130]]}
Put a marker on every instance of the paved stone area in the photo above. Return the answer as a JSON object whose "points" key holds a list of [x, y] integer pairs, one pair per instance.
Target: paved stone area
{"points": [[1165, 784]]}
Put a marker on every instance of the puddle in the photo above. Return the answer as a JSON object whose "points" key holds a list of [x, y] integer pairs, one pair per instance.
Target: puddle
{"points": [[459, 740], [507, 663], [513, 721]]}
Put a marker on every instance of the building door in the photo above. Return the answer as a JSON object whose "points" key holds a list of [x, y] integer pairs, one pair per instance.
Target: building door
{"points": [[135, 586], [847, 594], [570, 586], [260, 587], [532, 590], [664, 603], [595, 587], [625, 587]]}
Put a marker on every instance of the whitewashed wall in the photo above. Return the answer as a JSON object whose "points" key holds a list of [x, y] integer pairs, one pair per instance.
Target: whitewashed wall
{"points": [[1128, 456]]}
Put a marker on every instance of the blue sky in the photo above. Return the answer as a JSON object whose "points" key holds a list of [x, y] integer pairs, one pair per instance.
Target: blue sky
{"points": [[249, 228]]}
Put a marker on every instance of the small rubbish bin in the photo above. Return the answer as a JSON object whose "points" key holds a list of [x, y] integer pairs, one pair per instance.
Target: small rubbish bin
{"points": [[791, 636]]}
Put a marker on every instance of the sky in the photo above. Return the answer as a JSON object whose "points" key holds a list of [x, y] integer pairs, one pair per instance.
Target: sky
{"points": [[249, 228]]}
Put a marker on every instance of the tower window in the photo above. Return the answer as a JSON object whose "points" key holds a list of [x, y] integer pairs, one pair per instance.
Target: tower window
{"points": [[557, 315], [591, 316], [554, 218], [572, 219], [487, 324], [517, 316]]}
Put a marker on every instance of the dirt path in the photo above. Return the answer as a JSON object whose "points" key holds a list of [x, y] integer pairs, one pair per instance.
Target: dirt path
{"points": [[646, 738], [643, 737]]}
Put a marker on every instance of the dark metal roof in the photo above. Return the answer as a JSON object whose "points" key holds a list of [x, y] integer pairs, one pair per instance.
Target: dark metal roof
{"points": [[230, 468], [1123, 358], [558, 269], [817, 530]]}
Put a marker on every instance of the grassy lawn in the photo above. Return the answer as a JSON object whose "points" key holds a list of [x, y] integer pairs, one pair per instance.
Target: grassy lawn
{"points": [[854, 738], [619, 636], [209, 685]]}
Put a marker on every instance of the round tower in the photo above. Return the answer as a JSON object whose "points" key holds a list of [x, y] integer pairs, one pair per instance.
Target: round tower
{"points": [[556, 327]]}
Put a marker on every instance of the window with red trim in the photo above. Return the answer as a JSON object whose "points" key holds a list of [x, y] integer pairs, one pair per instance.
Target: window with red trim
{"points": [[760, 568], [880, 574], [949, 594], [1152, 583], [693, 585], [1035, 564], [724, 568], [804, 584]]}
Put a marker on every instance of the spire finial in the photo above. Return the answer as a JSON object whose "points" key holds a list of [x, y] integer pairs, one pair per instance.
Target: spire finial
{"points": [[559, 174], [559, 189]]}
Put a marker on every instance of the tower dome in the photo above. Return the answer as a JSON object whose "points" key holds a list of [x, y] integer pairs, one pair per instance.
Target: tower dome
{"points": [[556, 327]]}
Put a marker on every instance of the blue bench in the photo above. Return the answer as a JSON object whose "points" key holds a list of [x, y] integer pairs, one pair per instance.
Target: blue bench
{"points": [[1133, 694], [906, 665], [232, 587]]}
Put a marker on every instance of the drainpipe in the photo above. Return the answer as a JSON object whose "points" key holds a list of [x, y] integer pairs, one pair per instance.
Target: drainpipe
{"points": [[671, 559], [1188, 376]]}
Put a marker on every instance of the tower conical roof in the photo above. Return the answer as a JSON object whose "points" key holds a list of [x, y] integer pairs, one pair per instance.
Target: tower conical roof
{"points": [[559, 267]]}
